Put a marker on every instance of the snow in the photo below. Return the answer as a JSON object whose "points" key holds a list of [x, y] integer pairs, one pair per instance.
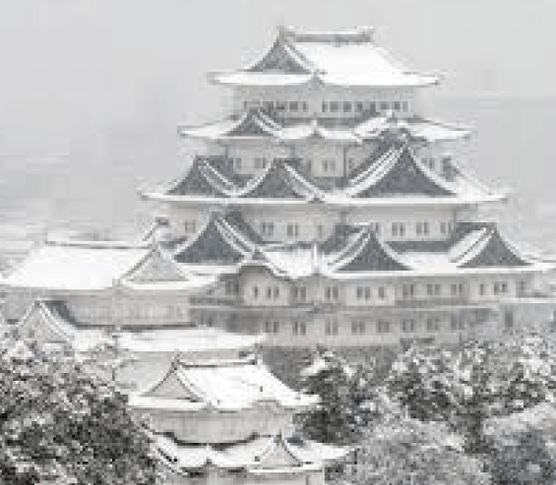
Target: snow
{"points": [[335, 58], [75, 266], [253, 454], [233, 385]]}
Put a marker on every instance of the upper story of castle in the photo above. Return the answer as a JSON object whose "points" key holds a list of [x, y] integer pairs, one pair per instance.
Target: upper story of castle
{"points": [[341, 76]]}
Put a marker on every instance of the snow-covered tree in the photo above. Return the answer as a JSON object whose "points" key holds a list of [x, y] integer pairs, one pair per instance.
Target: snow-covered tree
{"points": [[60, 424], [349, 399], [467, 385], [401, 450]]}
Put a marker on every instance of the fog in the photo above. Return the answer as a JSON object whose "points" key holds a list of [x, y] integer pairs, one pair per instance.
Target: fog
{"points": [[91, 90]]}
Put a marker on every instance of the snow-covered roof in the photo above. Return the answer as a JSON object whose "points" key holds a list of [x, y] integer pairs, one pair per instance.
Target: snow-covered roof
{"points": [[223, 385], [50, 321], [76, 265], [416, 127], [357, 252], [222, 241], [258, 455], [94, 266], [346, 58], [257, 124], [392, 175]]}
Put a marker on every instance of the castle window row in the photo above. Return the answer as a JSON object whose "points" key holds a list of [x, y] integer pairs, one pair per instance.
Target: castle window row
{"points": [[398, 230], [332, 106]]}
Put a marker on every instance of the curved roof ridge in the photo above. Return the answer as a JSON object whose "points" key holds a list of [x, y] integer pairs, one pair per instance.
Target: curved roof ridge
{"points": [[367, 253], [389, 182], [357, 34], [493, 250]]}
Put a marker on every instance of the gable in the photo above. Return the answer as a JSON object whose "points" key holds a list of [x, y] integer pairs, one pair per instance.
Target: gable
{"points": [[495, 253], [155, 268], [37, 326], [279, 59], [171, 387], [405, 177], [278, 456]]}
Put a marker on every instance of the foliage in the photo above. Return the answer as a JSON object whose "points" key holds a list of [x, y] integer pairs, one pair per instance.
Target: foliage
{"points": [[465, 386], [59, 423], [407, 451], [349, 400]]}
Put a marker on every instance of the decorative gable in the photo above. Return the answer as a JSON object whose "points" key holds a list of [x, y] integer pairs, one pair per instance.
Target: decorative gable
{"points": [[172, 387], [155, 268], [278, 455], [280, 59]]}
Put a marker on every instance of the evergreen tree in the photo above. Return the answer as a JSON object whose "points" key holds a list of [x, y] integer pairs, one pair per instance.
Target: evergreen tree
{"points": [[349, 400], [59, 424]]}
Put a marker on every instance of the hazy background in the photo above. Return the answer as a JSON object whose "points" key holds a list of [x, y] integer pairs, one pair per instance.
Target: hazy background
{"points": [[91, 92]]}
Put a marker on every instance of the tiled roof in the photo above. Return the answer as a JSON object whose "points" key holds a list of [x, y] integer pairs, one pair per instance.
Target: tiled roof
{"points": [[348, 58], [493, 251], [257, 453], [202, 179], [279, 181], [398, 173], [218, 242], [367, 254]]}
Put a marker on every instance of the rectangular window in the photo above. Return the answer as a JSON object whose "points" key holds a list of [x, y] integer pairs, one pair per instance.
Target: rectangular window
{"points": [[367, 293], [408, 291], [384, 106], [268, 292], [292, 230], [359, 293], [454, 322], [482, 289], [268, 105], [255, 292], [405, 106], [280, 106], [347, 107], [383, 326], [324, 106], [381, 292], [359, 107], [408, 326], [357, 328], [334, 106], [305, 106], [299, 328], [397, 106], [522, 288], [276, 292], [294, 105], [433, 324], [331, 327], [372, 107]]}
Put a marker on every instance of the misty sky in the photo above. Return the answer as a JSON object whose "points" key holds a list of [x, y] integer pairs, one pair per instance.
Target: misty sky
{"points": [[68, 62]]}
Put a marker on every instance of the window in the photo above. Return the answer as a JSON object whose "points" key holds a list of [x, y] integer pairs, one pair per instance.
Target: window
{"points": [[521, 288], [381, 293], [268, 105], [299, 328], [405, 106], [331, 327], [294, 106], [255, 292], [267, 228], [299, 293], [331, 293], [324, 106], [433, 289], [384, 106], [408, 291], [268, 292], [396, 106], [320, 231], [280, 106], [271, 327], [372, 107], [358, 327], [383, 326], [260, 162], [408, 325], [359, 293], [292, 230], [482, 289], [433, 324], [334, 106], [304, 106], [454, 322], [276, 292], [457, 289], [190, 226], [347, 107], [367, 293], [359, 107], [398, 229], [328, 166], [443, 228]]}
